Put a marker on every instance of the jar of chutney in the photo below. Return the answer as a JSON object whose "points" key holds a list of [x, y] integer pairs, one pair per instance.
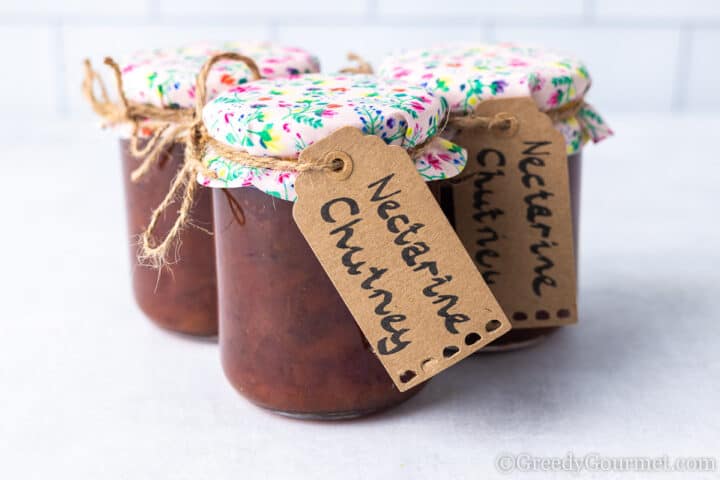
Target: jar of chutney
{"points": [[288, 342], [468, 75], [158, 87]]}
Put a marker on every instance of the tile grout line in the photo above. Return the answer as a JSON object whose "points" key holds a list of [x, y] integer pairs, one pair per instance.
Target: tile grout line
{"points": [[273, 31], [153, 9], [589, 11], [58, 50], [155, 14], [372, 11], [682, 68], [491, 32]]}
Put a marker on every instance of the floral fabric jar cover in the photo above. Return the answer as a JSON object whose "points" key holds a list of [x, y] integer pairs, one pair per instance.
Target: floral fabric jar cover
{"points": [[281, 117], [186, 300], [466, 74], [166, 77]]}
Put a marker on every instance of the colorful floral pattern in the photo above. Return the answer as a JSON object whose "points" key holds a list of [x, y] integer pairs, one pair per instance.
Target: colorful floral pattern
{"points": [[468, 74], [281, 117], [166, 78]]}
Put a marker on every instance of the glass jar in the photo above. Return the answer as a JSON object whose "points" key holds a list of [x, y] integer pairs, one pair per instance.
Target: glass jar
{"points": [[288, 343], [468, 74], [182, 297]]}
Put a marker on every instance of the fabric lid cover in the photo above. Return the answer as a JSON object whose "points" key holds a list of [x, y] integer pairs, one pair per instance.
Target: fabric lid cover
{"points": [[283, 116], [466, 74], [166, 77]]}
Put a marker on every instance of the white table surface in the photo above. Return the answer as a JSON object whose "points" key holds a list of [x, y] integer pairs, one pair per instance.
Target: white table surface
{"points": [[91, 390]]}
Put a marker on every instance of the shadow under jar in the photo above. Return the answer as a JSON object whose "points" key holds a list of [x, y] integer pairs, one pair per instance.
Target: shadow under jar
{"points": [[287, 341], [181, 297], [525, 337]]}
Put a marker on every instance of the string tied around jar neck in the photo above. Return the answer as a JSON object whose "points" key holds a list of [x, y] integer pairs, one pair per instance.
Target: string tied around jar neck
{"points": [[362, 66], [168, 125], [506, 124], [506, 121], [171, 125], [185, 125]]}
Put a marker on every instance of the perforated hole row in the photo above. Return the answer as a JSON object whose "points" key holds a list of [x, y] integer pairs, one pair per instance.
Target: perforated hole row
{"points": [[407, 376], [492, 325], [541, 315], [448, 352]]}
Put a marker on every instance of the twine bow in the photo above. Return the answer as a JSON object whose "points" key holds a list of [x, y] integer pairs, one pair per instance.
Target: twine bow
{"points": [[181, 125], [185, 125], [170, 125]]}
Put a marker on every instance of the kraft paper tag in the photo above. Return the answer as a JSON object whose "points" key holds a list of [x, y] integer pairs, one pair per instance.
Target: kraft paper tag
{"points": [[514, 214], [395, 260]]}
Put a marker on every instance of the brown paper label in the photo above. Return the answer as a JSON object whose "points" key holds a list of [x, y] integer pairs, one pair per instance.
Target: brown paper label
{"points": [[395, 260], [514, 214]]}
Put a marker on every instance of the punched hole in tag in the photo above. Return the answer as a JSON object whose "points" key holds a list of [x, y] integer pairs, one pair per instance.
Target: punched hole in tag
{"points": [[450, 350], [341, 164], [407, 376], [492, 325], [428, 365]]}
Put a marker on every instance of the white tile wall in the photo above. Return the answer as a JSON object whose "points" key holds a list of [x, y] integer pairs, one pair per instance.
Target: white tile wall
{"points": [[702, 80], [34, 85], [277, 8], [504, 8], [616, 57], [75, 7], [333, 43], [98, 42], [649, 9], [671, 44]]}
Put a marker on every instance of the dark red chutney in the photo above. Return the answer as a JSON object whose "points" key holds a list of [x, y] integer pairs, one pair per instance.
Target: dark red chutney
{"points": [[287, 341], [183, 296], [522, 337]]}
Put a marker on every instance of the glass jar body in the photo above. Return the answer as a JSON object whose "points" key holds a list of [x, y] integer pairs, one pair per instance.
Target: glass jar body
{"points": [[181, 297], [525, 337], [287, 341]]}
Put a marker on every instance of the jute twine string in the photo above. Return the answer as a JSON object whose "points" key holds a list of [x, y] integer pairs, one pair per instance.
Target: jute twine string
{"points": [[362, 66], [185, 125], [185, 184], [200, 141], [505, 121], [171, 125]]}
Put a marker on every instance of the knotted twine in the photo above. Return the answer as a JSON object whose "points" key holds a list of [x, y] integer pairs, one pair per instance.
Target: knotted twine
{"points": [[506, 121], [185, 125], [171, 125], [362, 67]]}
